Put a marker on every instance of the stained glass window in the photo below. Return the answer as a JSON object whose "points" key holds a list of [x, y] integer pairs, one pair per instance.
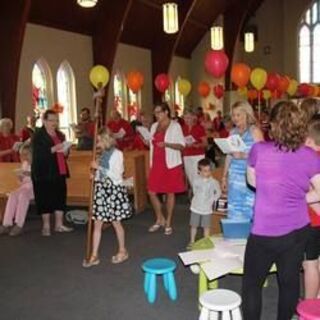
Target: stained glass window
{"points": [[66, 90], [40, 85], [178, 99], [118, 93], [309, 44]]}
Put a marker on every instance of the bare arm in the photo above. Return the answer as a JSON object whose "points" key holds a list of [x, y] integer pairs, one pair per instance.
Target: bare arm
{"points": [[6, 152], [175, 146], [251, 176]]}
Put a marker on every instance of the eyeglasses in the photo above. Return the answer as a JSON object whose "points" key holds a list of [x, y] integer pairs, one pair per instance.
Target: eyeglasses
{"points": [[158, 111]]}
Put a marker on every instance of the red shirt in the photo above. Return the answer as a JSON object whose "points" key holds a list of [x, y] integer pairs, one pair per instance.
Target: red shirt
{"points": [[224, 133], [197, 132], [89, 128], [314, 218], [116, 126], [6, 143], [138, 143], [26, 133], [217, 123], [60, 157]]}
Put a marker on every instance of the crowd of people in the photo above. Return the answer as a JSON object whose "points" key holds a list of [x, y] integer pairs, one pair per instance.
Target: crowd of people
{"points": [[269, 182]]}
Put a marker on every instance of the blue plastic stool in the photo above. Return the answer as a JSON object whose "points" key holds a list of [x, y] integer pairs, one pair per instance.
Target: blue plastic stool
{"points": [[159, 266]]}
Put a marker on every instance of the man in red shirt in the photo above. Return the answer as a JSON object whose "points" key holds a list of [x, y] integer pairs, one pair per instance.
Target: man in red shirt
{"points": [[27, 132], [121, 130]]}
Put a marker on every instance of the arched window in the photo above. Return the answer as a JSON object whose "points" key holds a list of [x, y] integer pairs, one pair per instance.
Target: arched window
{"points": [[119, 93], [41, 85], [134, 104], [66, 89], [178, 98], [309, 44]]}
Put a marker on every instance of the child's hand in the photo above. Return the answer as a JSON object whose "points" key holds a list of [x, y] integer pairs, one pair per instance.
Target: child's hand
{"points": [[94, 165]]}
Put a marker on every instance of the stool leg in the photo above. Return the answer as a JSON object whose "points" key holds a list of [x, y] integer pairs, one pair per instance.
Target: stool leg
{"points": [[214, 315], [166, 281], [146, 282], [152, 290], [236, 314], [213, 284], [172, 286], [204, 314], [226, 315], [203, 283]]}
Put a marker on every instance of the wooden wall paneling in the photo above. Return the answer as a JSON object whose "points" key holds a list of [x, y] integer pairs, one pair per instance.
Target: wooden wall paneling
{"points": [[166, 44], [13, 19], [106, 35]]}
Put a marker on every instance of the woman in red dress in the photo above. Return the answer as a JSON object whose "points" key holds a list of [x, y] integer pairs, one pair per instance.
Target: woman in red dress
{"points": [[7, 141], [166, 171]]}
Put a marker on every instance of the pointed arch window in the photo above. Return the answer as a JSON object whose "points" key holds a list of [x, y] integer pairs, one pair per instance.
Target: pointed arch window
{"points": [[178, 98], [309, 44], [134, 99], [119, 93], [66, 93], [41, 85]]}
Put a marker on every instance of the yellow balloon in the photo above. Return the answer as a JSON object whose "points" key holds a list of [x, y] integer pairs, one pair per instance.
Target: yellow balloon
{"points": [[243, 91], [184, 86], [293, 87], [99, 76], [258, 78], [266, 94]]}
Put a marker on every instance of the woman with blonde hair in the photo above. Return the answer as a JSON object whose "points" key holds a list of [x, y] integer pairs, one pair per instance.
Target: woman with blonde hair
{"points": [[240, 197], [7, 141], [111, 201]]}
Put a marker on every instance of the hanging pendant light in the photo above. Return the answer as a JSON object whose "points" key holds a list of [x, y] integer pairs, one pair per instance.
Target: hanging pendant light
{"points": [[170, 17], [249, 42], [216, 38], [87, 3]]}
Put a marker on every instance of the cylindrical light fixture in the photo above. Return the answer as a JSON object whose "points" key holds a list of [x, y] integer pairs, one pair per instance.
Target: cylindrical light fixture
{"points": [[249, 42], [216, 38], [87, 3], [170, 17]]}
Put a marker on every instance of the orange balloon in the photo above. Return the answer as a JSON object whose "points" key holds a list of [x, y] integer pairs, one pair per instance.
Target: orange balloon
{"points": [[203, 89], [284, 83], [240, 74], [135, 80]]}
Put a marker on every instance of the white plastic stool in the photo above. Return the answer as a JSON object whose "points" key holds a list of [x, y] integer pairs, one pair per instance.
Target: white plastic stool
{"points": [[220, 302]]}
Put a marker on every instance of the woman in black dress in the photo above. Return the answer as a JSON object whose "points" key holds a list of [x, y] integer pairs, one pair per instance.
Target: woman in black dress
{"points": [[49, 172]]}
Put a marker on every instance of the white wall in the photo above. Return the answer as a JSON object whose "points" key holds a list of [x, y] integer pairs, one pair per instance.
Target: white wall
{"points": [[55, 46]]}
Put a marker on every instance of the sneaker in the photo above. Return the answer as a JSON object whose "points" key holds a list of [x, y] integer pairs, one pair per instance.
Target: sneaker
{"points": [[4, 230], [15, 231]]}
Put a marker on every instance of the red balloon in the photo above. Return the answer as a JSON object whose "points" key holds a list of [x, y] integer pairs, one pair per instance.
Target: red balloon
{"points": [[162, 82], [252, 94], [304, 89], [218, 91], [216, 63], [240, 74], [273, 81], [203, 89], [284, 84], [135, 80]]}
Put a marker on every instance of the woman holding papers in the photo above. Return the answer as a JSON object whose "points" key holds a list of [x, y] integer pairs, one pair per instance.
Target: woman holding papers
{"points": [[195, 139], [240, 197], [166, 172], [282, 171], [49, 171], [8, 140]]}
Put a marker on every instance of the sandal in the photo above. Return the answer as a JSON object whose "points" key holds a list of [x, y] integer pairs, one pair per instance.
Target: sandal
{"points": [[168, 231], [155, 227], [120, 257], [93, 261], [45, 232], [63, 229]]}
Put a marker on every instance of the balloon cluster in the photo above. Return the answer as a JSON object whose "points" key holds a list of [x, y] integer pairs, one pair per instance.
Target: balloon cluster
{"points": [[258, 84]]}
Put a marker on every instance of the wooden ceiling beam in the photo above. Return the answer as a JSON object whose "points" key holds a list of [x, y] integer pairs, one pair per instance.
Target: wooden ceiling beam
{"points": [[234, 19], [166, 45], [13, 20], [106, 36]]}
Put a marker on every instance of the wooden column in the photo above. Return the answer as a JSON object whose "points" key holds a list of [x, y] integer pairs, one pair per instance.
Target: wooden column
{"points": [[13, 18], [166, 45], [107, 34]]}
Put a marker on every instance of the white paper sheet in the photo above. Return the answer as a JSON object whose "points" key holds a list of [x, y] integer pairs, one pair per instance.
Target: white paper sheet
{"points": [[189, 140], [16, 146], [120, 134], [145, 133], [197, 256], [231, 144], [66, 146], [220, 267]]}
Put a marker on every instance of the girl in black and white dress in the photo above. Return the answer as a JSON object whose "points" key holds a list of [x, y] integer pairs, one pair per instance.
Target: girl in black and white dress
{"points": [[111, 202]]}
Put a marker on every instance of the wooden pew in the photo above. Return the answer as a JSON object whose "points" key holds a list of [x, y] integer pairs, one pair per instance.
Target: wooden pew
{"points": [[79, 183]]}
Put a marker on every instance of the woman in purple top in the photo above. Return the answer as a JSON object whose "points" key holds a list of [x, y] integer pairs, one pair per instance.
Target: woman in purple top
{"points": [[282, 171]]}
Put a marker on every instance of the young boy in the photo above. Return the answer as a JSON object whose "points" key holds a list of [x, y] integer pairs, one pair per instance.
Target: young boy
{"points": [[311, 264], [206, 191]]}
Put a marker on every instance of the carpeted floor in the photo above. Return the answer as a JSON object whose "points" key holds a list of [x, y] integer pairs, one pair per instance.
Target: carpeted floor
{"points": [[42, 278]]}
